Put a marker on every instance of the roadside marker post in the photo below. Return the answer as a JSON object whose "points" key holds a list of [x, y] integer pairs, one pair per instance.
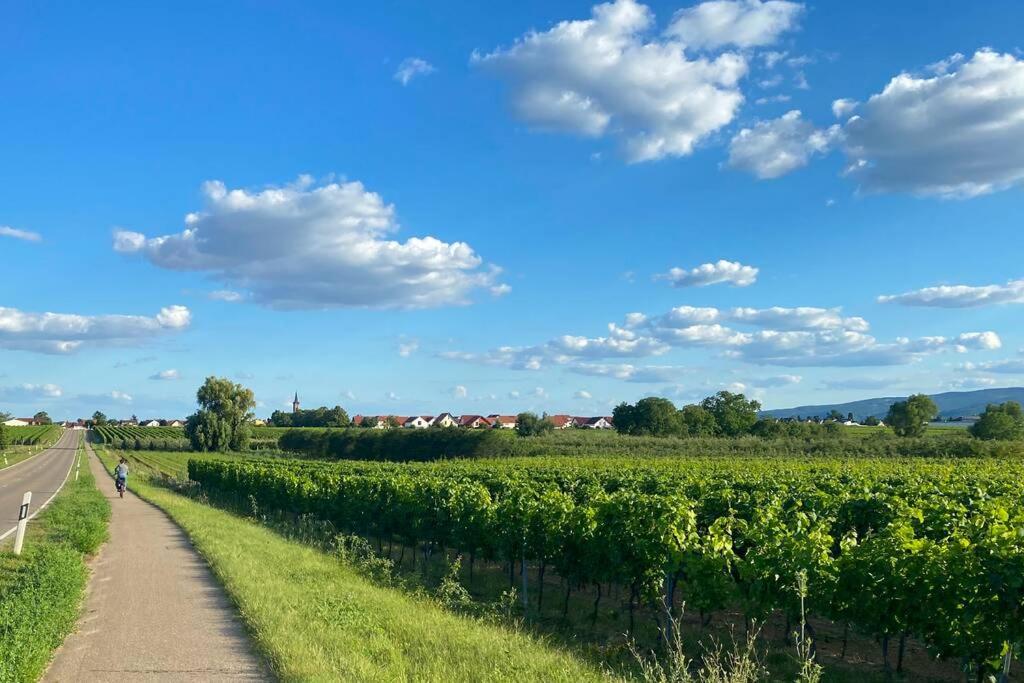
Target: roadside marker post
{"points": [[19, 538]]}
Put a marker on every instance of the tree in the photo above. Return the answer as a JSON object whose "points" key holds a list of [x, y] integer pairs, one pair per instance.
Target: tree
{"points": [[872, 421], [1004, 421], [42, 418], [99, 419], [221, 423], [3, 433], [696, 421], [835, 415], [650, 416], [733, 413], [4, 417], [529, 424], [279, 418], [910, 417]]}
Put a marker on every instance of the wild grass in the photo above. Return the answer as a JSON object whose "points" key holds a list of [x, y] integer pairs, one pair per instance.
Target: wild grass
{"points": [[41, 590]]}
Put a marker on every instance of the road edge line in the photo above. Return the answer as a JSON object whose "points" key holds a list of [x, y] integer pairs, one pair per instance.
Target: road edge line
{"points": [[48, 500]]}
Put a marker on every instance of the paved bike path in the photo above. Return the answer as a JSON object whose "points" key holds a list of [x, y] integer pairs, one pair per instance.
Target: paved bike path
{"points": [[154, 611]]}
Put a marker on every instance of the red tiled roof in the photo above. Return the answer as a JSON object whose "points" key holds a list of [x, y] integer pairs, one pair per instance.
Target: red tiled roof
{"points": [[559, 420]]}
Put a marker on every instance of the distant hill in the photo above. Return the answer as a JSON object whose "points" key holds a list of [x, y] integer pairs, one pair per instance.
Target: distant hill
{"points": [[951, 404]]}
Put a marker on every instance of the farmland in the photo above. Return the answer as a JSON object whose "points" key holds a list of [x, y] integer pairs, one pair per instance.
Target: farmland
{"points": [[24, 442], [909, 553]]}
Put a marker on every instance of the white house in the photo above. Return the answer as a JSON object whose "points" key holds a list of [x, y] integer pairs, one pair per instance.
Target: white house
{"points": [[17, 422], [503, 421], [474, 422], [593, 422], [418, 422], [444, 420], [150, 423]]}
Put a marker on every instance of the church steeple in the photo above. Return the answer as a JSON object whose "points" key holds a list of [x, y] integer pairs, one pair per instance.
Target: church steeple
{"points": [[295, 403]]}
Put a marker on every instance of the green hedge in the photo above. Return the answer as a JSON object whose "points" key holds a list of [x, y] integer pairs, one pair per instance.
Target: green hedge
{"points": [[434, 444], [40, 591]]}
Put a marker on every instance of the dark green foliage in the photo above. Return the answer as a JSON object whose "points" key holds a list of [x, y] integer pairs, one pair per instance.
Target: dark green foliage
{"points": [[317, 417], [399, 444], [911, 417], [650, 416], [43, 418], [1004, 421], [222, 421], [733, 413], [696, 421], [530, 424]]}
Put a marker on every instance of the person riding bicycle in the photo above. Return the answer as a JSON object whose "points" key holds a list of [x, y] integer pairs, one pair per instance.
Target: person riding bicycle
{"points": [[121, 476]]}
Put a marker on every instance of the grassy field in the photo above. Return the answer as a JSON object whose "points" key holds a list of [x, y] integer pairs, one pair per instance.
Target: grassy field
{"points": [[317, 619], [41, 590]]}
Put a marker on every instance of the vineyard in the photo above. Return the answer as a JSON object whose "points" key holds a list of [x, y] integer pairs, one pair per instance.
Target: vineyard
{"points": [[163, 438], [927, 549], [35, 435]]}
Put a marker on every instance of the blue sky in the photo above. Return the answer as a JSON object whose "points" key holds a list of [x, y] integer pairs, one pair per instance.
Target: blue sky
{"points": [[409, 208]]}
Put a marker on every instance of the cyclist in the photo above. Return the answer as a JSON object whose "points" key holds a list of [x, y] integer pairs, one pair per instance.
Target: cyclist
{"points": [[121, 476]]}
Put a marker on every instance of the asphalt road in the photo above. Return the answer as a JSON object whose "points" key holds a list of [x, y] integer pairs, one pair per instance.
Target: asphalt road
{"points": [[42, 474], [154, 611]]}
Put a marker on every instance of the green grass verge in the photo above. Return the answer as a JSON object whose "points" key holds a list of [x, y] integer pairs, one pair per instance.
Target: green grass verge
{"points": [[41, 590], [316, 619]]}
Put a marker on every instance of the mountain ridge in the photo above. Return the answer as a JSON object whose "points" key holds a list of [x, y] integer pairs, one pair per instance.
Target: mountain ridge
{"points": [[950, 403]]}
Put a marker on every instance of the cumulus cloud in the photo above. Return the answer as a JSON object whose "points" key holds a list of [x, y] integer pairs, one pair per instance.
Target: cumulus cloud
{"points": [[799, 318], [858, 383], [120, 396], [960, 296], [25, 235], [775, 381], [31, 392], [306, 246], [62, 333], [411, 67], [741, 23], [842, 107], [774, 148], [954, 134], [611, 74], [166, 375], [722, 271], [459, 391], [583, 394]]}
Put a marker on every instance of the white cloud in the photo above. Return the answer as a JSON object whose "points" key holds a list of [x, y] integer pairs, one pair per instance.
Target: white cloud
{"points": [[501, 290], [513, 394], [1004, 367], [610, 75], [349, 394], [391, 396], [412, 67], [960, 296], [983, 341], [731, 272], [955, 134], [741, 23], [31, 392], [26, 235], [66, 332], [773, 99], [842, 107], [539, 392], [582, 394], [971, 383], [459, 391], [120, 396], [166, 375], [304, 245], [408, 347], [225, 295], [799, 318], [774, 148]]}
